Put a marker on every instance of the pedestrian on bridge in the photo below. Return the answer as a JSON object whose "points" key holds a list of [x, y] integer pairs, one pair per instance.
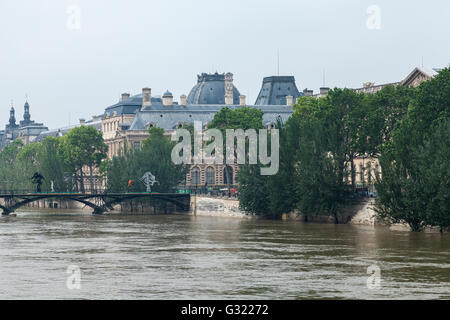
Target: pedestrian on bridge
{"points": [[37, 180]]}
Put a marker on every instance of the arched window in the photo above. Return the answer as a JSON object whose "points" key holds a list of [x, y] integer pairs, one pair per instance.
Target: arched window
{"points": [[228, 175], [195, 176], [210, 177]]}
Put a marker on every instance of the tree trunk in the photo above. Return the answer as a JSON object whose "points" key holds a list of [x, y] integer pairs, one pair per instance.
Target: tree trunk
{"points": [[91, 179], [352, 170], [81, 180]]}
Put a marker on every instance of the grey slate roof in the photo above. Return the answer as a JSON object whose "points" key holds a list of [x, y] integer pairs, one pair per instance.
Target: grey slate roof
{"points": [[205, 99], [210, 89], [168, 117], [63, 131], [275, 89], [130, 105]]}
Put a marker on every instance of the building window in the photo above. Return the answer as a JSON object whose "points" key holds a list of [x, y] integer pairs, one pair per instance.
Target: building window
{"points": [[210, 176], [361, 173], [195, 176], [377, 171], [228, 175], [137, 145]]}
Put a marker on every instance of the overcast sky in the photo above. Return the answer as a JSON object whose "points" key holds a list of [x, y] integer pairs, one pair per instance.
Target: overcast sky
{"points": [[73, 69]]}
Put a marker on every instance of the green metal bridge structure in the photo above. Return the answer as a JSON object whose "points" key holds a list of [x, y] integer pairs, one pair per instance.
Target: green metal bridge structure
{"points": [[100, 202]]}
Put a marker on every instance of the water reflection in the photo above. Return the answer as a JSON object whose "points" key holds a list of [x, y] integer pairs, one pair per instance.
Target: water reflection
{"points": [[181, 257]]}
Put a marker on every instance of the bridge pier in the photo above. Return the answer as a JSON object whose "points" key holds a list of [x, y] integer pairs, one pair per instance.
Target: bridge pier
{"points": [[99, 211], [6, 212]]}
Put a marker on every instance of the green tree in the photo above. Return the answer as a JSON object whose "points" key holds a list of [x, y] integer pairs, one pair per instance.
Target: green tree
{"points": [[10, 176], [51, 164], [155, 156], [378, 116], [82, 147], [27, 163], [414, 187], [323, 152], [241, 118]]}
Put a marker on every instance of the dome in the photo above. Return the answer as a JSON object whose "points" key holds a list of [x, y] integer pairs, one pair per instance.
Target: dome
{"points": [[210, 89], [167, 94]]}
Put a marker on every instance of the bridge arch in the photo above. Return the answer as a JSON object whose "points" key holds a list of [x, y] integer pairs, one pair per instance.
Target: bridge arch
{"points": [[5, 210], [108, 200], [25, 201]]}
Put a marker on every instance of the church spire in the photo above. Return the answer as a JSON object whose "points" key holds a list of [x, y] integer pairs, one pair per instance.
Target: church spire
{"points": [[26, 113], [12, 118]]}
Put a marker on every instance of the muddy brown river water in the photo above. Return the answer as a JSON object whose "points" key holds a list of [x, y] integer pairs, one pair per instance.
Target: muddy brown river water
{"points": [[79, 256]]}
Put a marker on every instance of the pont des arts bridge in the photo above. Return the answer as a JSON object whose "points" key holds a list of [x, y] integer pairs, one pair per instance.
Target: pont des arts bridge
{"points": [[100, 202]]}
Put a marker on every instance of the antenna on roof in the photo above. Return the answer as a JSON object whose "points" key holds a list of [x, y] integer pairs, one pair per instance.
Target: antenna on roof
{"points": [[323, 77], [278, 62], [422, 61]]}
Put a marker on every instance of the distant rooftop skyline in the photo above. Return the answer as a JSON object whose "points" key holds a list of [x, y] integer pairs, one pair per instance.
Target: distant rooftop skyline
{"points": [[74, 58]]}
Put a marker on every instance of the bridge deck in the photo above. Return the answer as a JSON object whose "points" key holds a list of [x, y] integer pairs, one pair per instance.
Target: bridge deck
{"points": [[14, 201], [100, 194]]}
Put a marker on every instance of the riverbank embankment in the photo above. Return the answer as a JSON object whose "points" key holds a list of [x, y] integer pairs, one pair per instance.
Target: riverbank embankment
{"points": [[362, 213]]}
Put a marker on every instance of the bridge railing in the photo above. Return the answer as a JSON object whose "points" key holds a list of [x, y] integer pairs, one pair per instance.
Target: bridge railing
{"points": [[87, 192], [28, 191]]}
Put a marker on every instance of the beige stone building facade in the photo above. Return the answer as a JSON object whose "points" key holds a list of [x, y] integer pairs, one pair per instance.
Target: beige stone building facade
{"points": [[126, 123], [367, 169]]}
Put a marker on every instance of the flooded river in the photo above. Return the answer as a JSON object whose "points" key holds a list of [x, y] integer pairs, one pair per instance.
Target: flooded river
{"points": [[79, 256]]}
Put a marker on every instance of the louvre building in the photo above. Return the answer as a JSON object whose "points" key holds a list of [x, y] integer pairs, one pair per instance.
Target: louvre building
{"points": [[127, 121]]}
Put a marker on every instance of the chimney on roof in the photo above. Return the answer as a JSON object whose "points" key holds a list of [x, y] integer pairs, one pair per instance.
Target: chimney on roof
{"points": [[242, 100], [229, 88], [167, 98], [146, 97], [324, 90], [368, 84], [125, 96], [308, 93], [183, 100], [289, 100], [82, 121]]}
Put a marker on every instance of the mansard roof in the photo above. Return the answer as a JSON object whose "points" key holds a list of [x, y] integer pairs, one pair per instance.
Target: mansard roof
{"points": [[275, 89], [64, 130], [210, 89], [130, 105], [168, 117]]}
